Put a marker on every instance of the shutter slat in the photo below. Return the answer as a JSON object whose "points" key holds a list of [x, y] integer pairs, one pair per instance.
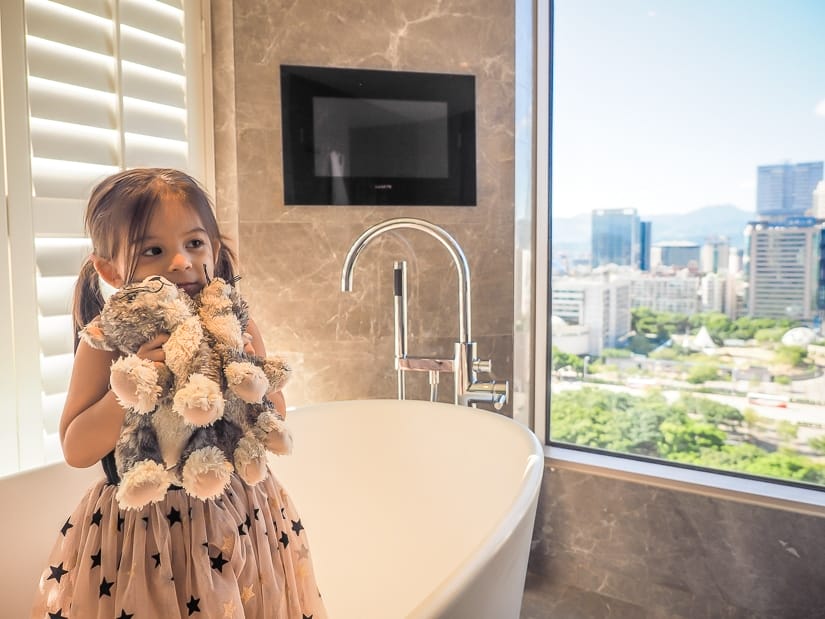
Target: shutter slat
{"points": [[55, 372], [61, 63], [54, 295], [71, 104], [57, 23], [141, 151], [70, 142], [153, 85], [155, 17], [58, 217], [56, 335], [60, 257], [161, 121], [101, 8], [63, 179], [140, 48]]}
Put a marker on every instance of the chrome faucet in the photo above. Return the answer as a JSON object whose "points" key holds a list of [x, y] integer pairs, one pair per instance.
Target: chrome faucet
{"points": [[464, 365]]}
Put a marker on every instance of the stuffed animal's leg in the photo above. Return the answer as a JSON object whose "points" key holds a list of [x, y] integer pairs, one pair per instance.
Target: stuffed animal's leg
{"points": [[247, 381], [136, 383], [250, 459], [278, 371], [271, 430], [200, 401], [143, 475], [205, 469]]}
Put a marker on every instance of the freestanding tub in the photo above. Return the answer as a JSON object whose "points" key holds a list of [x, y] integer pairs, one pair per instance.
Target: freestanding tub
{"points": [[413, 509]]}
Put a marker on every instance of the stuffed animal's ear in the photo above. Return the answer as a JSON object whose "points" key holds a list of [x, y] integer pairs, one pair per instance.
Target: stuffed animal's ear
{"points": [[93, 335]]}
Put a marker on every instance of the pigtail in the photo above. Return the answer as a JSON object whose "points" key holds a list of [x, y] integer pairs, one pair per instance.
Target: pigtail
{"points": [[88, 299], [225, 262]]}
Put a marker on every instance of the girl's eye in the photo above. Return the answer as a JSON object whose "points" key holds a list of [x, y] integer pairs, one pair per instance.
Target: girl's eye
{"points": [[195, 243], [151, 251]]}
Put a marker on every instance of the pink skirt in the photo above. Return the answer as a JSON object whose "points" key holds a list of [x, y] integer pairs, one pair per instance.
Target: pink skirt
{"points": [[244, 555]]}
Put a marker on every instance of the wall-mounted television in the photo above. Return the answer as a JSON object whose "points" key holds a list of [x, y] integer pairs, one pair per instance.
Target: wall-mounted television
{"points": [[368, 137]]}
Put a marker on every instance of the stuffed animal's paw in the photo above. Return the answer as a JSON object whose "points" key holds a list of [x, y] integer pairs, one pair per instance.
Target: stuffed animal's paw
{"points": [[199, 401], [275, 434], [250, 460], [247, 381], [135, 383], [278, 371], [146, 482], [206, 473]]}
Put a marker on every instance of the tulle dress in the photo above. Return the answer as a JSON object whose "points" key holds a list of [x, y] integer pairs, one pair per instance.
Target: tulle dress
{"points": [[244, 555]]}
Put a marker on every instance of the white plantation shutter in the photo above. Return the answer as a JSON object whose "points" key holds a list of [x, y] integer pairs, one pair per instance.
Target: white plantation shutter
{"points": [[94, 86]]}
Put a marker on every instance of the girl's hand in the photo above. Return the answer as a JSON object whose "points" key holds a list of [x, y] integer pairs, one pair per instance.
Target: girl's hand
{"points": [[152, 350]]}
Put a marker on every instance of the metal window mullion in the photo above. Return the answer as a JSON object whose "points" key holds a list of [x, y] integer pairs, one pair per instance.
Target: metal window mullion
{"points": [[22, 260]]}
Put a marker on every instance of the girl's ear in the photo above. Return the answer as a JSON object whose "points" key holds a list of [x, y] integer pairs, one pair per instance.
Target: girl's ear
{"points": [[217, 252], [108, 271]]}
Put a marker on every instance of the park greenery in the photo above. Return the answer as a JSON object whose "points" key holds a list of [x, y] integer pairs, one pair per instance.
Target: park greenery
{"points": [[691, 430], [662, 325]]}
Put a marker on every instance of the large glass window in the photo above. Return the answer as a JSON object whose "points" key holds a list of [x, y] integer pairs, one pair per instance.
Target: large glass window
{"points": [[688, 233]]}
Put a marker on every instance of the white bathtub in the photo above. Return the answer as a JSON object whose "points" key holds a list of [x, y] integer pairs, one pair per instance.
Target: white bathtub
{"points": [[413, 509]]}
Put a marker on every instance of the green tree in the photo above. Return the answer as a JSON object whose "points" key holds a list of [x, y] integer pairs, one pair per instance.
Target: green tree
{"points": [[701, 373], [561, 359], [817, 443], [709, 411], [786, 430], [689, 437], [791, 355]]}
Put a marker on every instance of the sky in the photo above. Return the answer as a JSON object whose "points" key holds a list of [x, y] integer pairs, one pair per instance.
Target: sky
{"points": [[670, 105]]}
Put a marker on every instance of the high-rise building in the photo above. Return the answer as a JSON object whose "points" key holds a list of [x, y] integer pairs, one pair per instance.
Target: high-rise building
{"points": [[665, 293], [679, 254], [783, 268], [598, 302], [715, 255], [614, 237], [712, 292], [645, 235], [786, 190]]}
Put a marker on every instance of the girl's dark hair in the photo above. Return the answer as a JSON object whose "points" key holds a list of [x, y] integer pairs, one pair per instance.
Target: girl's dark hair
{"points": [[116, 220]]}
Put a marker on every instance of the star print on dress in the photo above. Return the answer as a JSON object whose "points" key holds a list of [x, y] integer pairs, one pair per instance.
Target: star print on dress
{"points": [[193, 605], [229, 608], [174, 516], [297, 526], [106, 587], [248, 523], [218, 562], [57, 572], [256, 513], [58, 615], [65, 529], [240, 529], [284, 539], [303, 616], [247, 594], [124, 615], [120, 521], [95, 560], [145, 522], [97, 517], [156, 557]]}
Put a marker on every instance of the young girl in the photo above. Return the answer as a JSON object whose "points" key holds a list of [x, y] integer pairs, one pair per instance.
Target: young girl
{"points": [[242, 555]]}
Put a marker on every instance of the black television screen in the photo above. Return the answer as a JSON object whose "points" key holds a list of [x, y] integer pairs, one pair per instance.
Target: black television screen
{"points": [[356, 136]]}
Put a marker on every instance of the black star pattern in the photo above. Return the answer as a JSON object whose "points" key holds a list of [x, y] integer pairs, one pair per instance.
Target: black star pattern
{"points": [[284, 539], [145, 522], [95, 559], [120, 521], [256, 513], [58, 615], [240, 529], [65, 529], [57, 572], [106, 587], [297, 527], [156, 557], [218, 562], [192, 605], [174, 516], [283, 513], [303, 616], [97, 517], [124, 615], [248, 523]]}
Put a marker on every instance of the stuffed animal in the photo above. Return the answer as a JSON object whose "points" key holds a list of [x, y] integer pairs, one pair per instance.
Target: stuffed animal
{"points": [[191, 419]]}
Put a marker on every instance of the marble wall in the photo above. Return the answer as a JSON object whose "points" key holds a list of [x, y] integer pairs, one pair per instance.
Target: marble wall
{"points": [[291, 257], [620, 549]]}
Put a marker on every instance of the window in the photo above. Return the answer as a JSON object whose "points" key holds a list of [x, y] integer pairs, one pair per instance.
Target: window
{"points": [[90, 87], [687, 272]]}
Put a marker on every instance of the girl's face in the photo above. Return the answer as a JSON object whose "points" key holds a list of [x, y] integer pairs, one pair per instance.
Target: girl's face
{"points": [[176, 246]]}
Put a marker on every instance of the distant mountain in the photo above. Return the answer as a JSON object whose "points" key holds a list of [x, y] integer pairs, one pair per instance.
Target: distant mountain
{"points": [[572, 234]]}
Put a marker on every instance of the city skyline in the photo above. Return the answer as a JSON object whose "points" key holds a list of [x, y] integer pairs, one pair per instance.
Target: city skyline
{"points": [[669, 107]]}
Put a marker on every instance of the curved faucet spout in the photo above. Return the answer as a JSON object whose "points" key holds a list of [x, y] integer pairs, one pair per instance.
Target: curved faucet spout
{"points": [[436, 232]]}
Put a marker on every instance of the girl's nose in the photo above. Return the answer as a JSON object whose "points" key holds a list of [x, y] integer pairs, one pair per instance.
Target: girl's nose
{"points": [[180, 262]]}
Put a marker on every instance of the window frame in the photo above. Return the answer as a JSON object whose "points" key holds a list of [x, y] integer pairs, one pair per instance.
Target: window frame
{"points": [[727, 486]]}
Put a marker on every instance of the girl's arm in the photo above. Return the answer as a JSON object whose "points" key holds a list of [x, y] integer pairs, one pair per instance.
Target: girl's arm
{"points": [[92, 416], [276, 397]]}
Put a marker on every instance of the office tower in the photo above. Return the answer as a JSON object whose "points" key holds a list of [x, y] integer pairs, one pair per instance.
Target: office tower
{"points": [[786, 190], [818, 210], [712, 292], [665, 293], [783, 268], [597, 302], [679, 254], [645, 235], [715, 255], [615, 237]]}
